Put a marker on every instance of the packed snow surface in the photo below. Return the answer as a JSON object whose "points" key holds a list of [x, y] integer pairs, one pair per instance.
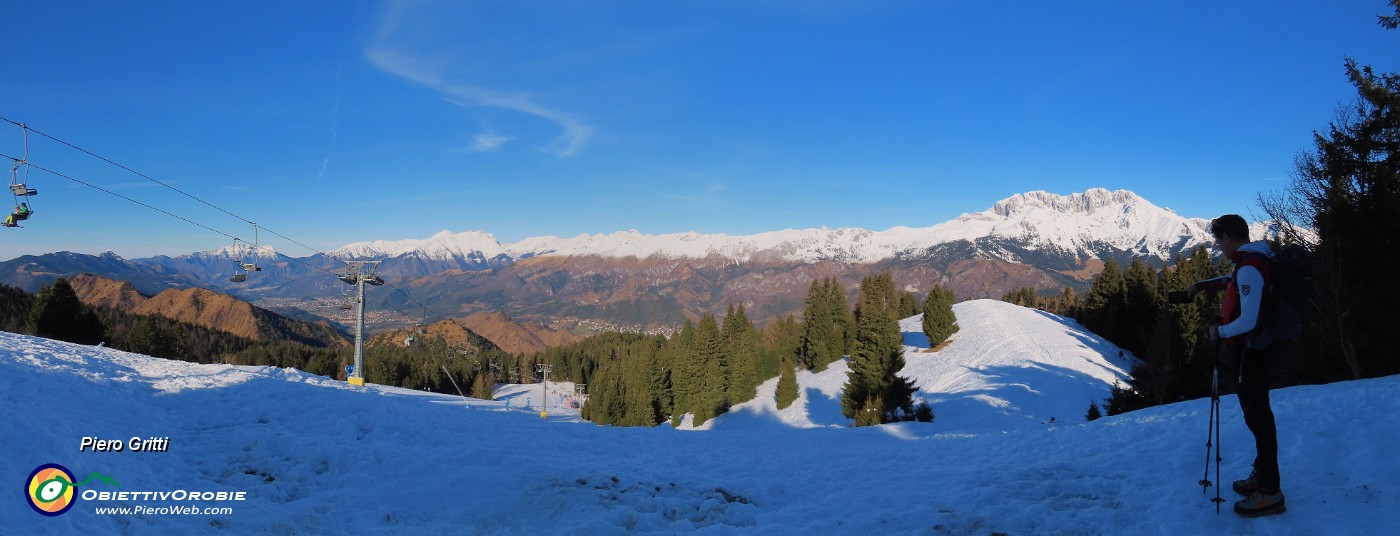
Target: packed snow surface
{"points": [[316, 456]]}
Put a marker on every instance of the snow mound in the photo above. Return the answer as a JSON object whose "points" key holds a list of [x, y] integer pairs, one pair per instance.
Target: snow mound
{"points": [[1006, 367]]}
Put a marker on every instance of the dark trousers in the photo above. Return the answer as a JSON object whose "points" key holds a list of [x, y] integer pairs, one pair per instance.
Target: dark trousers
{"points": [[1254, 400]]}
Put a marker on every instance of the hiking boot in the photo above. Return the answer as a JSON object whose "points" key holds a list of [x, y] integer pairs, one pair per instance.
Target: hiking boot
{"points": [[1247, 486], [1261, 503]]}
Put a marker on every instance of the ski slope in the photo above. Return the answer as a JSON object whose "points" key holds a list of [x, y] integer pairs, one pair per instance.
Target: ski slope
{"points": [[316, 456]]}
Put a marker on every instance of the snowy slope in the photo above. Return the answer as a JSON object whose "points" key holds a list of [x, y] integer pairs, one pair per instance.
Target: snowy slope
{"points": [[315, 456], [1080, 222], [1007, 367]]}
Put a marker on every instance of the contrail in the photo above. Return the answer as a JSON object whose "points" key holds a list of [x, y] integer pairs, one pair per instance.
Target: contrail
{"points": [[335, 132]]}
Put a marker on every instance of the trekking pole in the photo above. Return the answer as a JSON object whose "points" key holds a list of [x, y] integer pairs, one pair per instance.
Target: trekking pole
{"points": [[1213, 427], [1215, 403], [1210, 429]]}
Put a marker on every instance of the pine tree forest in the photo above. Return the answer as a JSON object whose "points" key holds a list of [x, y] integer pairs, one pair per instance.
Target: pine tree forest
{"points": [[644, 380]]}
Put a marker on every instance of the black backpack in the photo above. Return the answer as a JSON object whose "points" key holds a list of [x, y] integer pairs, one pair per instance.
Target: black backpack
{"points": [[1291, 287]]}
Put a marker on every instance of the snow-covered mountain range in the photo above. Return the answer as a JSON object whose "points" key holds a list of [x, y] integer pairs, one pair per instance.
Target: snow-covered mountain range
{"points": [[1078, 225], [631, 280]]}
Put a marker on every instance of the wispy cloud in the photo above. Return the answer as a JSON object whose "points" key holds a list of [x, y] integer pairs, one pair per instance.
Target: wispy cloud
{"points": [[486, 142], [415, 63]]}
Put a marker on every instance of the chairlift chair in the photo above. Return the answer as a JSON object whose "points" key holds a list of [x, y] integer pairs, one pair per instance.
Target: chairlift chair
{"points": [[347, 300], [422, 326], [239, 275], [240, 269], [250, 258], [19, 187]]}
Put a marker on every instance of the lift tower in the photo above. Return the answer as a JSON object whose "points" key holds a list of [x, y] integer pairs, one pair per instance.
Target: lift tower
{"points": [[359, 273]]}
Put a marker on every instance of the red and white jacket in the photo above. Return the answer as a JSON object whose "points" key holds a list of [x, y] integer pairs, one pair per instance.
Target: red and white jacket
{"points": [[1244, 290]]}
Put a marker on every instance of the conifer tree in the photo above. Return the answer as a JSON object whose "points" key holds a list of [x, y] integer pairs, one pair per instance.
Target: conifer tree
{"points": [[780, 343], [14, 308], [1104, 307], [939, 321], [818, 321], [484, 387], [1024, 296], [711, 398], [1144, 299], [607, 403], [787, 384], [57, 314], [1347, 191], [741, 347], [843, 333], [659, 372], [149, 336], [687, 369], [641, 407], [908, 305], [869, 413], [878, 356]]}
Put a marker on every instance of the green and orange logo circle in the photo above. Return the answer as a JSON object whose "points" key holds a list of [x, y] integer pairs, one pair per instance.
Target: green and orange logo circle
{"points": [[50, 489]]}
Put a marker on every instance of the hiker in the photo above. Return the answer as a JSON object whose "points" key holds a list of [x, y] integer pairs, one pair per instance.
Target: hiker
{"points": [[1247, 300]]}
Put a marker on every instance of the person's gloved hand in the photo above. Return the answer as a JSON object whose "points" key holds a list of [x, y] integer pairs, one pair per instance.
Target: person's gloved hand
{"points": [[1213, 332]]}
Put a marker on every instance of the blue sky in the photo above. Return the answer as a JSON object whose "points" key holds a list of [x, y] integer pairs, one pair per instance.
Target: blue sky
{"points": [[333, 122]]}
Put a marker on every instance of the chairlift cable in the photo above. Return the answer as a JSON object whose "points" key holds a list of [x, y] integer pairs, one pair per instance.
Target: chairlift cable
{"points": [[191, 196], [104, 190], [152, 179], [382, 300], [138, 173]]}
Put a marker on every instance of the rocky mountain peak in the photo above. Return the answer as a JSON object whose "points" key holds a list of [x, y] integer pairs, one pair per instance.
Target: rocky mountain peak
{"points": [[1088, 202]]}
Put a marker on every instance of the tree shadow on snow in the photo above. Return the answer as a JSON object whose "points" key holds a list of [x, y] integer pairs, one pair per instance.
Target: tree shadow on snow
{"points": [[915, 338], [1020, 396], [823, 410]]}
